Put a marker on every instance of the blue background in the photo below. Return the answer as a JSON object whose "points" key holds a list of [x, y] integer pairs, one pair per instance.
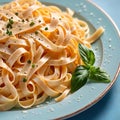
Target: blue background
{"points": [[108, 108]]}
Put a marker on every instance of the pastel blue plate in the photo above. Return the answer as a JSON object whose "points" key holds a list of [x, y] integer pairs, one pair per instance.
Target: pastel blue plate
{"points": [[107, 50]]}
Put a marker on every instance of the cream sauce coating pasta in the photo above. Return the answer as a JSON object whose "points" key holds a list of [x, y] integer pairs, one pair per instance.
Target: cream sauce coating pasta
{"points": [[38, 52]]}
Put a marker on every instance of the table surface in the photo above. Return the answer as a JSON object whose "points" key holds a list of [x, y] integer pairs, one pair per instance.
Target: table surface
{"points": [[108, 108]]}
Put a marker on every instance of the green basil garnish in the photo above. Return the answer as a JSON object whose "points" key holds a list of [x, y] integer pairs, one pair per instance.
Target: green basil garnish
{"points": [[87, 72], [79, 78], [87, 55]]}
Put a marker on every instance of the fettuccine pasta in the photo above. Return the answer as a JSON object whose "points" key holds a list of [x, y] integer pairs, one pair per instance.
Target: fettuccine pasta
{"points": [[38, 52]]}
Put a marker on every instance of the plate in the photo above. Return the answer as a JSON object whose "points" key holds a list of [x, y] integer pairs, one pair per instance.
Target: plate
{"points": [[108, 57]]}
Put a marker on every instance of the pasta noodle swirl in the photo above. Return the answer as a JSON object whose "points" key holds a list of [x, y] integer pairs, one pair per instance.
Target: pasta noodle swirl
{"points": [[38, 52]]}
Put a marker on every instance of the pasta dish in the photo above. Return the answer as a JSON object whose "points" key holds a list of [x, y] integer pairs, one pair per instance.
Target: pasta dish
{"points": [[38, 52]]}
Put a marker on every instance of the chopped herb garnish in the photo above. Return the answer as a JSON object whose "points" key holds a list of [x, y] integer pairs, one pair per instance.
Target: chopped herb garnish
{"points": [[36, 32], [9, 25], [33, 65], [32, 23], [29, 61], [24, 79], [11, 21], [46, 28], [16, 13], [9, 32]]}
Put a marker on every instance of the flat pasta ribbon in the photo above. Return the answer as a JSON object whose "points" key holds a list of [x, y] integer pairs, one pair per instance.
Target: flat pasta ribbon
{"points": [[38, 52]]}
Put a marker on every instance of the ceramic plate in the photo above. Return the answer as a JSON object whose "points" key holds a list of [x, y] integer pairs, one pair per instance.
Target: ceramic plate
{"points": [[107, 50]]}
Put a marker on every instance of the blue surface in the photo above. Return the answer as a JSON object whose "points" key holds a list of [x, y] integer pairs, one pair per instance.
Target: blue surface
{"points": [[108, 108]]}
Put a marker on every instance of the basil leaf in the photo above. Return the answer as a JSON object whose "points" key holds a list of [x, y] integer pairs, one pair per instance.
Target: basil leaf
{"points": [[86, 72], [79, 78], [87, 55], [98, 75]]}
